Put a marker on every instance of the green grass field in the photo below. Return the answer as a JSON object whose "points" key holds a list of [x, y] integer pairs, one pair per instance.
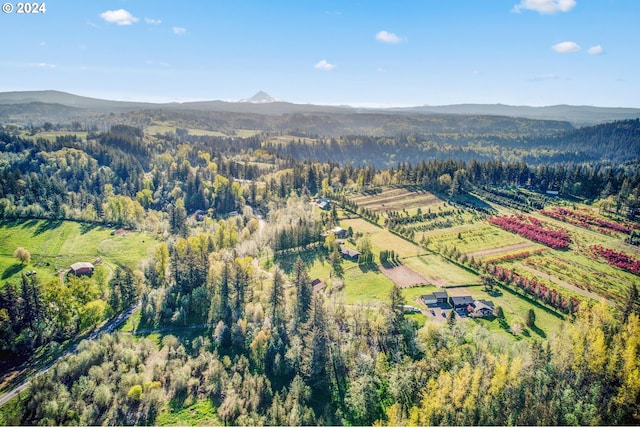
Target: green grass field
{"points": [[475, 238], [441, 271], [54, 245], [365, 286], [199, 413], [161, 128], [51, 136], [382, 238]]}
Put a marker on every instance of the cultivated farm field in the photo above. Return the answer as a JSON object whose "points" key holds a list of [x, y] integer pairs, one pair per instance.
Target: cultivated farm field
{"points": [[577, 253]]}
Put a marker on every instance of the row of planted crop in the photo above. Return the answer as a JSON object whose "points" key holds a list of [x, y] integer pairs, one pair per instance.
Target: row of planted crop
{"points": [[616, 258], [587, 221], [534, 288], [533, 229]]}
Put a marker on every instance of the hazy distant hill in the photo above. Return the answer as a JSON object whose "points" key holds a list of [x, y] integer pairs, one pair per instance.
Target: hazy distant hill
{"points": [[70, 100], [263, 103], [578, 115]]}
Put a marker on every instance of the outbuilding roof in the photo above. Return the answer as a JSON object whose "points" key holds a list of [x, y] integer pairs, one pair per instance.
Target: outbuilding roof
{"points": [[80, 265]]}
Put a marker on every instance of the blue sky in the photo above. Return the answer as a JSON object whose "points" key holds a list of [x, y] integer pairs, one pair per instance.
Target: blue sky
{"points": [[370, 53]]}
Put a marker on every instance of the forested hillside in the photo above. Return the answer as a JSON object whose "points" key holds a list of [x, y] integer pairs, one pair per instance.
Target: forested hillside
{"points": [[616, 142]]}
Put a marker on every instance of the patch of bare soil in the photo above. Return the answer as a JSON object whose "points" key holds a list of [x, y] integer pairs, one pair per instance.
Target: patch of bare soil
{"points": [[404, 277]]}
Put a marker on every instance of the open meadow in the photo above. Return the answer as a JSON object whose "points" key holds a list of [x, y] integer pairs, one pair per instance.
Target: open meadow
{"points": [[55, 245]]}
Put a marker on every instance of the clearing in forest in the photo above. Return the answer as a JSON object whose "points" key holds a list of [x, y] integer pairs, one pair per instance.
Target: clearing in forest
{"points": [[54, 245]]}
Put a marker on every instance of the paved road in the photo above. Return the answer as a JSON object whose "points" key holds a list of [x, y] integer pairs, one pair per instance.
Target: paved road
{"points": [[109, 327]]}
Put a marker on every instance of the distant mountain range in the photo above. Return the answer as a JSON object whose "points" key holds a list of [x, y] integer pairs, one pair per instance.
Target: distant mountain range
{"points": [[12, 103]]}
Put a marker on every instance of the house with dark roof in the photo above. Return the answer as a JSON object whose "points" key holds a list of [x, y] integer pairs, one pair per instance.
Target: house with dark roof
{"points": [[349, 253], [481, 308], [461, 301]]}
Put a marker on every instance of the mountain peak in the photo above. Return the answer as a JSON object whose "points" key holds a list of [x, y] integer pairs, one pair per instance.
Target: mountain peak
{"points": [[261, 98]]}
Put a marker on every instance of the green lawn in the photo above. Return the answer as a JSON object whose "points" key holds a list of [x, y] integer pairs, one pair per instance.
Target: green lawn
{"points": [[54, 245]]}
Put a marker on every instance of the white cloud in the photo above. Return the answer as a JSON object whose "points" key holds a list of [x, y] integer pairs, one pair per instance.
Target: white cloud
{"points": [[595, 50], [178, 31], [324, 65], [547, 7], [566, 47], [157, 63], [119, 17], [152, 21], [543, 78], [387, 37], [45, 65]]}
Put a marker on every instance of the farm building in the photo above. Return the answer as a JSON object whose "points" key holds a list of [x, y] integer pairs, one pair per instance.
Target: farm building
{"points": [[79, 268], [439, 297], [318, 285], [461, 301], [349, 253], [481, 308], [339, 232]]}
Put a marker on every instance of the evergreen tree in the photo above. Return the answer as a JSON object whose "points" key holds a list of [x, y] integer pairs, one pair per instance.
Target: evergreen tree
{"points": [[123, 290], [304, 291], [530, 320], [316, 344], [276, 297]]}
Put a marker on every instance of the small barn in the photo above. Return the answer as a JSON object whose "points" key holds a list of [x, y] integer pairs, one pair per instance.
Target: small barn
{"points": [[318, 285], [80, 268]]}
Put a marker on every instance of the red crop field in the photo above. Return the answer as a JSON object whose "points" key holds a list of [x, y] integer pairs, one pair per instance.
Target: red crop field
{"points": [[617, 259], [533, 229], [582, 219]]}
